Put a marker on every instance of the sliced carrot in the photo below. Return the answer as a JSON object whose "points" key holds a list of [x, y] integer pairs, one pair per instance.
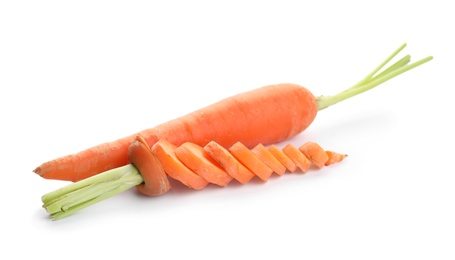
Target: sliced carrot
{"points": [[334, 157], [251, 161], [230, 164], [165, 152], [315, 153], [282, 158], [269, 159], [297, 157], [198, 160], [156, 181]]}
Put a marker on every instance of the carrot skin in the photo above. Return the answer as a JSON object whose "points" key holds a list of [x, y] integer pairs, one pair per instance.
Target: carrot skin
{"points": [[264, 115], [334, 157]]}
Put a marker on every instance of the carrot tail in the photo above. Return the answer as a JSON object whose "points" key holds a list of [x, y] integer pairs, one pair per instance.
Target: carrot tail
{"points": [[193, 165]]}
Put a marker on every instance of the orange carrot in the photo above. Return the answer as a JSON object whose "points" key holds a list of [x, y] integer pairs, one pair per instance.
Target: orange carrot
{"points": [[283, 158], [251, 161], [297, 157], [232, 166], [200, 162], [155, 178], [269, 159], [247, 118], [334, 157], [315, 153], [165, 152]]}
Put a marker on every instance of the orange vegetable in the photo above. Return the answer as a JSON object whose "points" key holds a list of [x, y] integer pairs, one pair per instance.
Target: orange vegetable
{"points": [[269, 159], [334, 157], [297, 157], [251, 161], [283, 158]]}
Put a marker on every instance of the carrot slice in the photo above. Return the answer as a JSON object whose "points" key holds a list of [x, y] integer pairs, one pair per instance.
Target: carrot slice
{"points": [[165, 152], [230, 164], [297, 157], [283, 158], [315, 153], [269, 159], [334, 157], [156, 181], [198, 160], [251, 161]]}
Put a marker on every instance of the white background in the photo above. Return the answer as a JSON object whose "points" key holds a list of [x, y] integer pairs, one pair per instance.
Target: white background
{"points": [[76, 74]]}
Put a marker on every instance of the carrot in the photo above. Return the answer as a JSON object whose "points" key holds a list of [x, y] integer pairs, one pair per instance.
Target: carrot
{"points": [[251, 161], [183, 163], [297, 157], [269, 159], [283, 158], [246, 118], [334, 157], [315, 153], [232, 166], [155, 178], [165, 152], [200, 162]]}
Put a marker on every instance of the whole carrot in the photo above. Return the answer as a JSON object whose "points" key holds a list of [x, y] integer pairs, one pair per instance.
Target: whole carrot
{"points": [[245, 118]]}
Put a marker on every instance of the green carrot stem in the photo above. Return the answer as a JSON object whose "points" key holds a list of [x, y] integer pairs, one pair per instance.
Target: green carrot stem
{"points": [[371, 81]]}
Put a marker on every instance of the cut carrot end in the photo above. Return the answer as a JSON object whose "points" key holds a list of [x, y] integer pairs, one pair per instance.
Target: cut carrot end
{"points": [[334, 157]]}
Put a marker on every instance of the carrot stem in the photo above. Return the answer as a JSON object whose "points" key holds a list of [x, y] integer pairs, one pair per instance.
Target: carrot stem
{"points": [[372, 80], [76, 196]]}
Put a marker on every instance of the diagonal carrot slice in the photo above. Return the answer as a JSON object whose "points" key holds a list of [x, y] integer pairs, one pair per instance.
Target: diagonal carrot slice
{"points": [[232, 166], [315, 153], [283, 158], [198, 160], [297, 157], [165, 152], [251, 161], [269, 159]]}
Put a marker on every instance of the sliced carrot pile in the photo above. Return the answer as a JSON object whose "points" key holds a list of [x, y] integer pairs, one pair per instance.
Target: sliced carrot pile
{"points": [[198, 160], [165, 152], [251, 161], [269, 159], [197, 166], [232, 166]]}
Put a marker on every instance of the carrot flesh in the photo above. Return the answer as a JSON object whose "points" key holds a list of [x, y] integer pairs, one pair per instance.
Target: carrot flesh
{"points": [[232, 166], [315, 153], [200, 162], [251, 161], [297, 157], [282, 158], [165, 152], [155, 178], [269, 159], [334, 157]]}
